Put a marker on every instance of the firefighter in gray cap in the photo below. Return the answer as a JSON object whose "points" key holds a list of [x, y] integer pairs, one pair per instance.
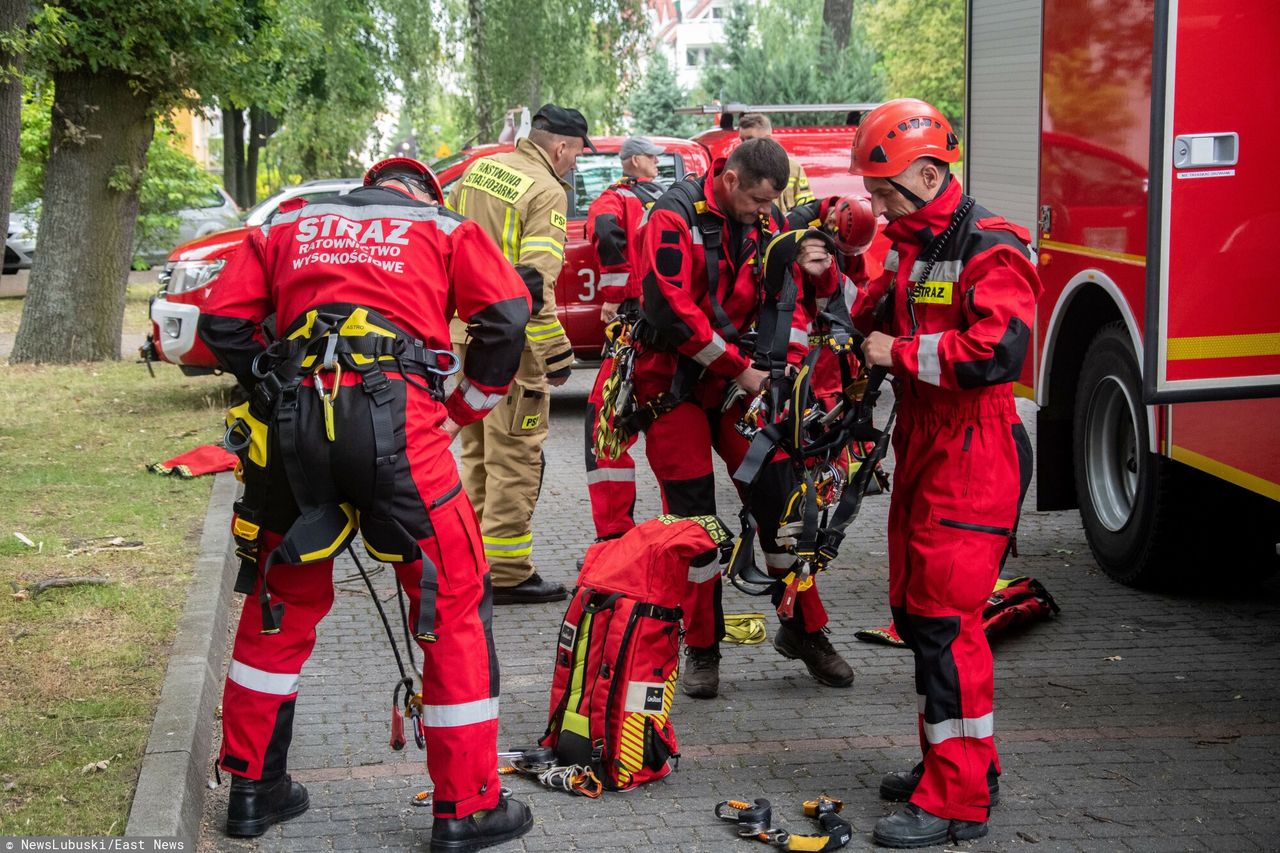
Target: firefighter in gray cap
{"points": [[612, 221]]}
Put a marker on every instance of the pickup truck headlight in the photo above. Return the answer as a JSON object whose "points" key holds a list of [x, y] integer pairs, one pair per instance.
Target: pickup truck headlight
{"points": [[190, 275]]}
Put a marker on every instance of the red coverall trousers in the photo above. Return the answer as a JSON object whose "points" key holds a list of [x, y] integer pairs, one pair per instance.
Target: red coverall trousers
{"points": [[611, 483], [460, 669], [952, 514], [678, 446]]}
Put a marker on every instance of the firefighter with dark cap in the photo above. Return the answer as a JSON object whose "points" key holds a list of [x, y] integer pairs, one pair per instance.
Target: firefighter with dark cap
{"points": [[612, 224], [347, 429], [519, 199], [956, 302], [701, 291], [797, 191]]}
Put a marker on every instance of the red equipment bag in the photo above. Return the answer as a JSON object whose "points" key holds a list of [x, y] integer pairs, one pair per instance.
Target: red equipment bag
{"points": [[618, 655], [1014, 601]]}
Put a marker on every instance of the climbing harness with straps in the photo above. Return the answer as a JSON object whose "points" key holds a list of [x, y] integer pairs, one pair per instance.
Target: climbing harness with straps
{"points": [[788, 417]]}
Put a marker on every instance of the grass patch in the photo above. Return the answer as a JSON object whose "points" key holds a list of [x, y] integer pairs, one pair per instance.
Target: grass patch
{"points": [[81, 667], [137, 308]]}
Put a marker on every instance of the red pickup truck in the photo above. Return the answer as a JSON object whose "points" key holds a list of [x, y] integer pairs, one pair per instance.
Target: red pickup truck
{"points": [[823, 151]]}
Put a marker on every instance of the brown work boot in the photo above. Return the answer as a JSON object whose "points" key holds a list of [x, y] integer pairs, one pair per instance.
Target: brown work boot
{"points": [[815, 651], [701, 676]]}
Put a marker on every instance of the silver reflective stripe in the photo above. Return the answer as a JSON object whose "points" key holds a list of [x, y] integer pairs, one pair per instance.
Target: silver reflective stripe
{"points": [[625, 193], [891, 260], [695, 235], [799, 336], [778, 560], [477, 399], [711, 351], [701, 574], [942, 270], [275, 683], [445, 221], [612, 475], [850, 291], [613, 279], [466, 714], [929, 368], [984, 726]]}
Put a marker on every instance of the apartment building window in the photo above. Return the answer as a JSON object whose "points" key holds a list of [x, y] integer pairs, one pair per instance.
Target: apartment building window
{"points": [[696, 57]]}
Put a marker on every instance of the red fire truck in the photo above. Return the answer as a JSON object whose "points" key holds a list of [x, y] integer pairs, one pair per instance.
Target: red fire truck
{"points": [[1136, 139]]}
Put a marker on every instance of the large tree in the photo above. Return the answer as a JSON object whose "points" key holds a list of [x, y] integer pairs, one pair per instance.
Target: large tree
{"points": [[921, 45], [783, 53], [108, 92], [13, 47]]}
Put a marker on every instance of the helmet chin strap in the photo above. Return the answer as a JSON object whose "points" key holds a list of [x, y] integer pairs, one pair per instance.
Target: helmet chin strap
{"points": [[912, 197]]}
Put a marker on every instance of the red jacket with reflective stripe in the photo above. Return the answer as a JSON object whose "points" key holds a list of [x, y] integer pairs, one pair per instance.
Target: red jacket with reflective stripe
{"points": [[612, 222], [974, 312], [413, 263], [673, 274]]}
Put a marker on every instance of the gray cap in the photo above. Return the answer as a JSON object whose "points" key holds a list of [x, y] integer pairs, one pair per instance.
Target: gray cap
{"points": [[633, 145]]}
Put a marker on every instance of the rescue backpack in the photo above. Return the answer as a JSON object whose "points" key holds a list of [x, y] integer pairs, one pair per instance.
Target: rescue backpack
{"points": [[617, 657]]}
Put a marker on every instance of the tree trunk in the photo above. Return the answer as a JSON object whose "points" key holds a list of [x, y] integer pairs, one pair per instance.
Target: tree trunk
{"points": [[479, 61], [97, 154], [837, 17], [234, 173], [13, 16], [261, 125]]}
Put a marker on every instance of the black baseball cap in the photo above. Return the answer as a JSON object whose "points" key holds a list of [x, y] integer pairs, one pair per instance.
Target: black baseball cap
{"points": [[565, 121]]}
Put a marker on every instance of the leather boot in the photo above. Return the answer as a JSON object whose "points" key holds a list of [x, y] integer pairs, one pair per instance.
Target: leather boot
{"points": [[701, 676], [532, 590], [256, 805], [898, 786], [815, 651], [509, 819], [915, 827]]}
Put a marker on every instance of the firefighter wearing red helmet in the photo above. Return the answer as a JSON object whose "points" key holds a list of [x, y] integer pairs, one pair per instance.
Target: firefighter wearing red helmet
{"points": [[958, 296], [348, 428], [700, 291]]}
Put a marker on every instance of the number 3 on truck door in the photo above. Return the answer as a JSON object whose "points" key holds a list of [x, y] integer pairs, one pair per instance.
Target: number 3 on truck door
{"points": [[588, 277]]}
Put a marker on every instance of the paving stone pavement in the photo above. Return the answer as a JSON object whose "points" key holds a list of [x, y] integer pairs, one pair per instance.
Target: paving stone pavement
{"points": [[1134, 721]]}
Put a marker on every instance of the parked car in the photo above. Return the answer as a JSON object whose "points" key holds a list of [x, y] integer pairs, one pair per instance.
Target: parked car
{"points": [[218, 213], [191, 270], [20, 244]]}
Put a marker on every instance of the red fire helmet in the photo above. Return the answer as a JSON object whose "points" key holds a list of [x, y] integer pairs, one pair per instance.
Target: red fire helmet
{"points": [[406, 166], [896, 134], [854, 225]]}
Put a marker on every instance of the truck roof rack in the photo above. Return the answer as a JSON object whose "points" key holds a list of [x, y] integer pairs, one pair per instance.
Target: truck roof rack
{"points": [[728, 111]]}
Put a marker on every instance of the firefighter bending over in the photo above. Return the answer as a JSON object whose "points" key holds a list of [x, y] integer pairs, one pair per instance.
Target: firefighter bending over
{"points": [[518, 198], [960, 287], [348, 427]]}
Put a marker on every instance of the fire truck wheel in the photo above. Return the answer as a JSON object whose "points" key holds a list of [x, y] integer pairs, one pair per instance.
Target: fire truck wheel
{"points": [[1125, 491]]}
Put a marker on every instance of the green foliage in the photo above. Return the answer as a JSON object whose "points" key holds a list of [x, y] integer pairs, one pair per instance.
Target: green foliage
{"points": [[37, 108], [173, 51], [654, 101], [172, 182], [576, 53], [778, 53], [921, 44]]}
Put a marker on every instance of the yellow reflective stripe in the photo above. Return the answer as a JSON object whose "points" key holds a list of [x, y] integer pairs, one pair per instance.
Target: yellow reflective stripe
{"points": [[544, 333], [1224, 346], [338, 542], [530, 245], [510, 235], [508, 546], [507, 540]]}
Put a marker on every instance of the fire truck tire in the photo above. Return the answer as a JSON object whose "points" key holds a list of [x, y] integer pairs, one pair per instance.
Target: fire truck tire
{"points": [[1126, 493]]}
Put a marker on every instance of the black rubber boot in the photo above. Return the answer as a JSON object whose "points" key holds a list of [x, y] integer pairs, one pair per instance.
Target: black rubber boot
{"points": [[701, 676], [256, 805], [534, 590], [898, 786], [505, 821], [915, 827], [815, 651]]}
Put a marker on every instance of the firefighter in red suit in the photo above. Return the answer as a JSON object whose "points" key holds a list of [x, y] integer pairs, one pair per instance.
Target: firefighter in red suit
{"points": [[357, 428], [959, 292], [700, 292], [612, 222]]}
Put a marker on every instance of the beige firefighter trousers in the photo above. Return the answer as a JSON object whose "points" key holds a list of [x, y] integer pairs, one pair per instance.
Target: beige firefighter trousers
{"points": [[502, 470]]}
